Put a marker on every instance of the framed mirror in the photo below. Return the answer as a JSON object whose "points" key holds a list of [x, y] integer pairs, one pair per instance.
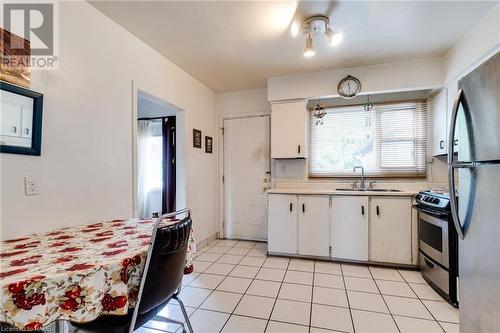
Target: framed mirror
{"points": [[20, 120]]}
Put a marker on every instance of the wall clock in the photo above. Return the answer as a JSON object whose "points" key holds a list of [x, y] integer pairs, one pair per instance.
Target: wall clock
{"points": [[349, 87]]}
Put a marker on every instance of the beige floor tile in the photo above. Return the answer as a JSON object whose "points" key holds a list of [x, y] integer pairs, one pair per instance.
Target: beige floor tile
{"points": [[372, 322], [188, 278], [230, 259], [331, 317], [299, 277], [218, 249], [238, 324], [327, 268], [245, 244], [271, 274], [295, 292], [252, 261], [329, 296], [257, 253], [414, 325], [360, 284], [234, 284], [170, 311], [200, 266], [329, 281], [450, 327], [412, 276], [279, 263], [205, 321], [264, 288], [220, 269], [227, 242], [277, 327], [238, 251], [260, 245], [221, 301], [425, 291], [207, 281], [320, 330], [395, 288], [367, 301], [244, 271], [356, 271], [255, 306], [391, 274], [301, 265], [193, 296], [410, 307], [208, 256], [291, 312], [442, 311]]}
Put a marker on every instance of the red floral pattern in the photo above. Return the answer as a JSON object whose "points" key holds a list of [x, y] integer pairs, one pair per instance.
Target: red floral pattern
{"points": [[74, 273]]}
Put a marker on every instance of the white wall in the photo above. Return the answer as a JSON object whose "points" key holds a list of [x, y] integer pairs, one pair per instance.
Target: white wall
{"points": [[246, 102], [479, 42], [86, 163], [402, 76]]}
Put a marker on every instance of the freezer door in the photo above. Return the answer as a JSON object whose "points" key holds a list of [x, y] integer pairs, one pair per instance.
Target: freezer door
{"points": [[479, 255]]}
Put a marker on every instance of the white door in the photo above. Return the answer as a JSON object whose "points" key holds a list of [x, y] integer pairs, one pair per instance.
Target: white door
{"points": [[390, 230], [282, 222], [350, 227], [314, 225], [246, 167]]}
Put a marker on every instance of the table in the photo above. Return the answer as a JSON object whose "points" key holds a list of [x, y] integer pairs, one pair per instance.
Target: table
{"points": [[75, 273]]}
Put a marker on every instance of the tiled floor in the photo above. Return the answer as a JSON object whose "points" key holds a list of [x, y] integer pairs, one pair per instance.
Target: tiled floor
{"points": [[236, 288]]}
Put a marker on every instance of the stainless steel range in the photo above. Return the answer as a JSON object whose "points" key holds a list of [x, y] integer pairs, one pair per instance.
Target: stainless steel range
{"points": [[438, 243]]}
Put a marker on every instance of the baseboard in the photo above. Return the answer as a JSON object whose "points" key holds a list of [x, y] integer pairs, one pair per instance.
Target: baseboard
{"points": [[203, 243]]}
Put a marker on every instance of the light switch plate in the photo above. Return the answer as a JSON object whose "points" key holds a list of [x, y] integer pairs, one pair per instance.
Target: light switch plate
{"points": [[31, 185]]}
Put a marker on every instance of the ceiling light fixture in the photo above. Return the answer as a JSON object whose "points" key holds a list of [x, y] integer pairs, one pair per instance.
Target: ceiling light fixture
{"points": [[313, 26], [309, 49]]}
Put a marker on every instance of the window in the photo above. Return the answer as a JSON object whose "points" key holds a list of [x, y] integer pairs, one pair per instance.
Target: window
{"points": [[155, 165], [389, 141]]}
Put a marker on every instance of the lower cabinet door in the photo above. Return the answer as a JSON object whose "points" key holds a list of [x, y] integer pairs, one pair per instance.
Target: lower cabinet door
{"points": [[349, 232], [314, 225], [282, 223], [390, 230]]}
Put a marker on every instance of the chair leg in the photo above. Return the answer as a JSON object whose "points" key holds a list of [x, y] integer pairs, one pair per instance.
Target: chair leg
{"points": [[184, 313]]}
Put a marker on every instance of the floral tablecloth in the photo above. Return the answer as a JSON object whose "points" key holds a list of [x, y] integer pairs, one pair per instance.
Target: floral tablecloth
{"points": [[75, 273]]}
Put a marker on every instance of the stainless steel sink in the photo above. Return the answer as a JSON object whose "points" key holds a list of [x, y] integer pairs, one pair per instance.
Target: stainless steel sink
{"points": [[367, 190]]}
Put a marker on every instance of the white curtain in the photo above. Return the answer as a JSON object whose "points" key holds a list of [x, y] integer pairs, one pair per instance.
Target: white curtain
{"points": [[144, 133]]}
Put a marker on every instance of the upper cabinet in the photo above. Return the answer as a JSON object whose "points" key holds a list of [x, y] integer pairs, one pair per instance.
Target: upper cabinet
{"points": [[289, 124], [439, 123]]}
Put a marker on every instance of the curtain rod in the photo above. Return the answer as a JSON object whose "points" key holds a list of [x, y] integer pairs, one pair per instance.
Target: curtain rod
{"points": [[152, 118]]}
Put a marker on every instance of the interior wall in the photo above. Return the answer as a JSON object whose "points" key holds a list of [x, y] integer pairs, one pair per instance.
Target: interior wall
{"points": [[85, 169], [246, 102]]}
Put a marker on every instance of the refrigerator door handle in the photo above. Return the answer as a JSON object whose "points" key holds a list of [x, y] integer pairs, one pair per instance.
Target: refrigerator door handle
{"points": [[460, 98]]}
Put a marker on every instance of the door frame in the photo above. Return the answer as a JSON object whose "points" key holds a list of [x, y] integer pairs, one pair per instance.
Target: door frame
{"points": [[222, 192]]}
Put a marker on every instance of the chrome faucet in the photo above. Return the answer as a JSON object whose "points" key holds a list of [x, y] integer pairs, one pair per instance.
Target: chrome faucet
{"points": [[362, 184]]}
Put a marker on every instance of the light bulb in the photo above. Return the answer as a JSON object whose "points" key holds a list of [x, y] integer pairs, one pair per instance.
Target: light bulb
{"points": [[294, 29], [309, 49], [334, 37]]}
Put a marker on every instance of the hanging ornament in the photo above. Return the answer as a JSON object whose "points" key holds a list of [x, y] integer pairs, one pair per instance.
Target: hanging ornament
{"points": [[368, 106], [319, 113]]}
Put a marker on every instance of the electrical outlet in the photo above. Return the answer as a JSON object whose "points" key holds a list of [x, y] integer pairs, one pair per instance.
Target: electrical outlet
{"points": [[31, 185]]}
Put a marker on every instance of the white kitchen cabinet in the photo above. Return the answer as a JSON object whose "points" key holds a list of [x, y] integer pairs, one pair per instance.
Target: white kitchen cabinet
{"points": [[391, 230], [439, 123], [349, 229], [314, 225], [282, 223], [289, 123]]}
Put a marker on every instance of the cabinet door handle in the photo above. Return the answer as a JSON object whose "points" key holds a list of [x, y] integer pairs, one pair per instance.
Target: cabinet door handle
{"points": [[441, 144], [26, 131], [455, 142], [14, 129], [362, 210], [291, 206], [298, 149], [303, 208], [378, 210]]}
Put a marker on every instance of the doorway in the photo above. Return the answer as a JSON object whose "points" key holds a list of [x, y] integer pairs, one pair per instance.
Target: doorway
{"points": [[246, 177]]}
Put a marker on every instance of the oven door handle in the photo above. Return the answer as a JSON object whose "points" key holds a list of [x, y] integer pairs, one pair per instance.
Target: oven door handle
{"points": [[428, 263], [430, 212]]}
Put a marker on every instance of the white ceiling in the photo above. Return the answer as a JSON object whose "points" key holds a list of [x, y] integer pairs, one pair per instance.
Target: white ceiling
{"points": [[237, 45]]}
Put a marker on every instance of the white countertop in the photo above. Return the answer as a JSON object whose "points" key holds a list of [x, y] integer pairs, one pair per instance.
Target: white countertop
{"points": [[337, 192]]}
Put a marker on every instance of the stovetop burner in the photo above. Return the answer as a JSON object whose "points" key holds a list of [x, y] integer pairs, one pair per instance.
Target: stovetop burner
{"points": [[434, 199]]}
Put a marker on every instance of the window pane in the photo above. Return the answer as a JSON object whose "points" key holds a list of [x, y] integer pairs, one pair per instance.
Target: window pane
{"points": [[155, 172]]}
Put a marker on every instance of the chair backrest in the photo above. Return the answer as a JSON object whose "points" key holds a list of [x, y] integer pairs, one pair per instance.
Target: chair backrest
{"points": [[166, 265]]}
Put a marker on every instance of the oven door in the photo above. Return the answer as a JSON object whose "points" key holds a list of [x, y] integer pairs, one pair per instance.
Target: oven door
{"points": [[433, 237]]}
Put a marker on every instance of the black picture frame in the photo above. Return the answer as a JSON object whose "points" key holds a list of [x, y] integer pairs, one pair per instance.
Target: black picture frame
{"points": [[36, 134], [196, 138], [208, 144]]}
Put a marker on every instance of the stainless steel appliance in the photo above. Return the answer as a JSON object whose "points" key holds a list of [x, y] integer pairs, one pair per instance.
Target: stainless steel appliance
{"points": [[475, 122], [438, 243]]}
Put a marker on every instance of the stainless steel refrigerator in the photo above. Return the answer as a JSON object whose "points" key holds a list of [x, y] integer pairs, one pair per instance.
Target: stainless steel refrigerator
{"points": [[474, 179]]}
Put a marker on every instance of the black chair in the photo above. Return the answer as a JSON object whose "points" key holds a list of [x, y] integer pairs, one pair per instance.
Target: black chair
{"points": [[161, 280]]}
